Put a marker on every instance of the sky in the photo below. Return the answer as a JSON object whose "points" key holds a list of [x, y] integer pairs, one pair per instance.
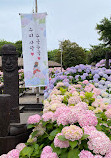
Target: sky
{"points": [[67, 19]]}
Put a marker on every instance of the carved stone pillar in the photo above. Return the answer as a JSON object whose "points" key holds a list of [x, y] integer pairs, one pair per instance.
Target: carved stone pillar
{"points": [[4, 114], [11, 79]]}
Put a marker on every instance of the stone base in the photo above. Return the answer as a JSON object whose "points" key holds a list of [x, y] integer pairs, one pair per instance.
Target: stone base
{"points": [[9, 142]]}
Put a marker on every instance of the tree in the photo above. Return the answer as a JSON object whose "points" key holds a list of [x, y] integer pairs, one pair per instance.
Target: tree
{"points": [[73, 54], [3, 42], [52, 54], [18, 46], [104, 30], [97, 53]]}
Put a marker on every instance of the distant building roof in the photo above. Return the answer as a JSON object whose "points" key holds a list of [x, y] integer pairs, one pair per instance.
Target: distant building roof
{"points": [[20, 63], [53, 64]]}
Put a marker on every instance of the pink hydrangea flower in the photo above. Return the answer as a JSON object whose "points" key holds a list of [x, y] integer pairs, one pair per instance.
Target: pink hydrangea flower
{"points": [[59, 111], [49, 155], [4, 156], [83, 105], [59, 84], [85, 82], [13, 153], [85, 154], [96, 91], [82, 93], [88, 89], [20, 146], [60, 143], [72, 116], [108, 113], [34, 119], [47, 149], [109, 106], [88, 129], [62, 119], [78, 86], [72, 132], [108, 155], [99, 142], [74, 100], [98, 156], [88, 119], [47, 116]]}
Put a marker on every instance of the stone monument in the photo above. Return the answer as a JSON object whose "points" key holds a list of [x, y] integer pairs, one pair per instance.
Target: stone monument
{"points": [[4, 114], [11, 80]]}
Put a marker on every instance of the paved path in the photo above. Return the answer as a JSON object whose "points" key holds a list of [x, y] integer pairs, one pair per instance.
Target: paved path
{"points": [[29, 98]]}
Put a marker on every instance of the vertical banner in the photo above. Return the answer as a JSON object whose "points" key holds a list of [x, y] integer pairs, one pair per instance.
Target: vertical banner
{"points": [[34, 49]]}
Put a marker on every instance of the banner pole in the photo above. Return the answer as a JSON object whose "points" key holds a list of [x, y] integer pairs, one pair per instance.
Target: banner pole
{"points": [[61, 56], [36, 6]]}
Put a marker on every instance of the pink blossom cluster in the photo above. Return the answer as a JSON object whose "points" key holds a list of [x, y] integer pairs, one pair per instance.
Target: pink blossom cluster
{"points": [[72, 132], [88, 129], [71, 114], [20, 146], [59, 111], [108, 113], [88, 88], [71, 89], [3, 156], [56, 101], [99, 105], [15, 152], [85, 82], [55, 91], [47, 116], [48, 153], [96, 91], [98, 142], [88, 154], [88, 118], [34, 119], [59, 84], [60, 143], [74, 100], [91, 88]]}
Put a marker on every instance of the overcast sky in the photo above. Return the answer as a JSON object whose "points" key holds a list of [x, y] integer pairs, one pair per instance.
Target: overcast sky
{"points": [[67, 19]]}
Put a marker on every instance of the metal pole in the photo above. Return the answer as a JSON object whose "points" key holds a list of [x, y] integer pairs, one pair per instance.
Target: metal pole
{"points": [[61, 56], [36, 6]]}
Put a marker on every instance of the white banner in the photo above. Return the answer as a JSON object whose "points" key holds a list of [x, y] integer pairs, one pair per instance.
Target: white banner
{"points": [[34, 49]]}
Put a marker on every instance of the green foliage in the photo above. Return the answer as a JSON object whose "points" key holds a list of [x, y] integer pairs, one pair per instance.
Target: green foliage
{"points": [[88, 98], [85, 136], [73, 144], [63, 90], [32, 151], [54, 55], [2, 42], [54, 133], [97, 53], [73, 153], [104, 30], [17, 44], [103, 124], [62, 138], [65, 100], [72, 53]]}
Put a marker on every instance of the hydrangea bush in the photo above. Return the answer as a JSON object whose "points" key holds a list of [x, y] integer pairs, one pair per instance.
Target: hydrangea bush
{"points": [[75, 123], [76, 119]]}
